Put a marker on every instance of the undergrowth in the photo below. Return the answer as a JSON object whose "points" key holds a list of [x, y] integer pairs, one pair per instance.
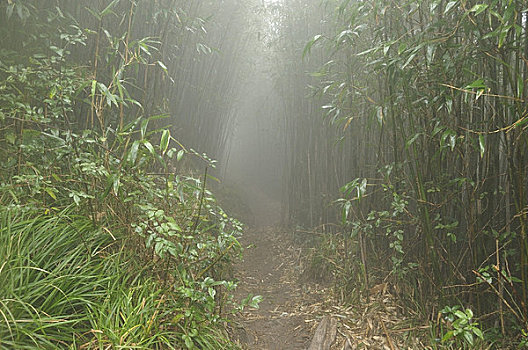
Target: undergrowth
{"points": [[68, 284], [108, 239]]}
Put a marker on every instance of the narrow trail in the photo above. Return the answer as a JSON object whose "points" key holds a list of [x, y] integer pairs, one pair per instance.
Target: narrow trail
{"points": [[293, 307], [270, 268]]}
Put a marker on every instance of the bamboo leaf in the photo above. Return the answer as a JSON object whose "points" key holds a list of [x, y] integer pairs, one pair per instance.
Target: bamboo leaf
{"points": [[180, 154], [479, 8], [309, 45], [482, 145], [149, 147], [51, 192], [164, 143], [108, 9], [449, 6], [132, 154], [143, 129]]}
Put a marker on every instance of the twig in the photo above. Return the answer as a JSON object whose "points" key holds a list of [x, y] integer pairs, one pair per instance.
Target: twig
{"points": [[483, 94], [387, 334], [498, 294], [215, 261]]}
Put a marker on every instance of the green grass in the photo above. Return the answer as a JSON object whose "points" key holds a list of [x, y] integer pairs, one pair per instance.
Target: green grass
{"points": [[65, 284]]}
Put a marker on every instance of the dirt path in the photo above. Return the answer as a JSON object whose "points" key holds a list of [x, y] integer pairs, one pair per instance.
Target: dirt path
{"points": [[292, 307], [270, 268], [283, 320]]}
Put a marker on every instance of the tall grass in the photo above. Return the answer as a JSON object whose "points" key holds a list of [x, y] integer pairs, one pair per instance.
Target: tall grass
{"points": [[64, 284]]}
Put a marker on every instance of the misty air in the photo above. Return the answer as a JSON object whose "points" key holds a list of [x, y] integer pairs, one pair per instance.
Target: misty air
{"points": [[263, 174]]}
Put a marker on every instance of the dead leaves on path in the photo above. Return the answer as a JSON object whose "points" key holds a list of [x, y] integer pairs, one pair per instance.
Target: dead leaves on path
{"points": [[314, 314]]}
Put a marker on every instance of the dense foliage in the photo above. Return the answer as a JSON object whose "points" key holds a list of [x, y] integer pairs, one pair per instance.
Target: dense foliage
{"points": [[428, 103], [107, 238]]}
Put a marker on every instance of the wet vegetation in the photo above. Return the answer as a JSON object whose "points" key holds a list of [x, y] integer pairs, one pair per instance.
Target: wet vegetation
{"points": [[393, 133]]}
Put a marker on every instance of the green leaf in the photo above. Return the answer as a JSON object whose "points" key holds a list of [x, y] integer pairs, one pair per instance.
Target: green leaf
{"points": [[411, 57], [76, 199], [430, 53], [51, 192], [143, 129], [379, 115], [469, 337], [164, 144], [132, 154], [163, 66], [10, 137], [254, 302], [108, 9], [503, 34], [94, 85], [478, 333], [452, 142], [115, 185], [346, 210], [180, 154], [460, 314], [482, 145], [479, 8], [411, 141], [447, 336], [149, 146], [188, 342], [520, 86], [477, 84], [362, 189], [449, 6], [309, 45], [401, 48]]}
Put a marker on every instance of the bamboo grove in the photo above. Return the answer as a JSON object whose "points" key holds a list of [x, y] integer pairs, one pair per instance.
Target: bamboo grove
{"points": [[109, 236], [402, 127], [422, 159]]}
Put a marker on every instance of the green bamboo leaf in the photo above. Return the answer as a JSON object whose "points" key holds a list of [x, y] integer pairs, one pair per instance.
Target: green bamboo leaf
{"points": [[163, 66], [520, 86], [180, 154], [411, 140], [164, 144], [108, 9], [479, 8], [411, 57], [143, 129], [449, 6], [51, 192], [94, 85], [503, 34], [149, 146], [482, 145], [309, 45], [115, 185], [132, 154], [477, 84]]}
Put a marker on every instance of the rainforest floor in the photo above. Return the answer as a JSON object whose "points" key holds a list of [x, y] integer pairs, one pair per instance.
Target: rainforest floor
{"points": [[293, 306]]}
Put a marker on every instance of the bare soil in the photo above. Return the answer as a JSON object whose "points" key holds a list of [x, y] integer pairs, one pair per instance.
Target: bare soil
{"points": [[283, 320], [271, 268]]}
